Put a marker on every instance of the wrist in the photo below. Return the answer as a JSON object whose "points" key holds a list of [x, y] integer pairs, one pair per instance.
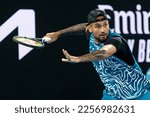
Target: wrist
{"points": [[59, 33], [79, 59]]}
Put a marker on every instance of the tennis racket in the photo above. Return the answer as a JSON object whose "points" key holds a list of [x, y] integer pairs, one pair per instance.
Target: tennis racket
{"points": [[31, 42]]}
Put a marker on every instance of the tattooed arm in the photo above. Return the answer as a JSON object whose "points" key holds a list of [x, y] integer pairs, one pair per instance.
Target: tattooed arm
{"points": [[98, 55], [73, 30]]}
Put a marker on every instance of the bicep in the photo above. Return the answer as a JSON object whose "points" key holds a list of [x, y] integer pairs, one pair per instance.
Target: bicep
{"points": [[112, 45], [109, 50]]}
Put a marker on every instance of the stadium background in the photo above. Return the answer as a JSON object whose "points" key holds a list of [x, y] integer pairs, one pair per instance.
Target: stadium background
{"points": [[41, 74]]}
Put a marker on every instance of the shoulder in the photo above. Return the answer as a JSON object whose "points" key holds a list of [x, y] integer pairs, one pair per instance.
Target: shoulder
{"points": [[116, 41], [88, 33]]}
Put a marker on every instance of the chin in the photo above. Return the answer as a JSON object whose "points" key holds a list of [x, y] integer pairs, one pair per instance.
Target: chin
{"points": [[102, 38]]}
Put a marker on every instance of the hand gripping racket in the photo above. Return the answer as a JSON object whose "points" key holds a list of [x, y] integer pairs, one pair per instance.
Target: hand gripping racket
{"points": [[31, 42]]}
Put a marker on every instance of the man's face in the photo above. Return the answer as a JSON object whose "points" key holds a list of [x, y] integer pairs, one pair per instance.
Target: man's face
{"points": [[100, 30]]}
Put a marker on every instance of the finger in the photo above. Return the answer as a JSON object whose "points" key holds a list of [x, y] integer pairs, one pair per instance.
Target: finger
{"points": [[64, 51], [64, 60], [66, 54]]}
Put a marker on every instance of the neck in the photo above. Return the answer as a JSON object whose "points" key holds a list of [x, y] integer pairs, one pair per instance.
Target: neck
{"points": [[97, 41]]}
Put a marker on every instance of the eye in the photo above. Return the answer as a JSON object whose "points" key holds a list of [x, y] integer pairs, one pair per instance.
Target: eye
{"points": [[98, 26], [105, 24]]}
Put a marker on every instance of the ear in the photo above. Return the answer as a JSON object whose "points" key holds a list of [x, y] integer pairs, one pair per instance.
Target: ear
{"points": [[89, 28], [108, 21]]}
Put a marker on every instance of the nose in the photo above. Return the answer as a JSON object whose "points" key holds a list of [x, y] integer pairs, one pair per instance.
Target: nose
{"points": [[102, 30]]}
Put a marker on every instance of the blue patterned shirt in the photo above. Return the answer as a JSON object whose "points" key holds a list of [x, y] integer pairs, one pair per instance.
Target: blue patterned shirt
{"points": [[121, 80]]}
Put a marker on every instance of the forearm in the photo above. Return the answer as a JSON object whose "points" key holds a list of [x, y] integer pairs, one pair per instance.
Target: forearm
{"points": [[73, 30], [94, 56], [103, 53], [98, 55]]}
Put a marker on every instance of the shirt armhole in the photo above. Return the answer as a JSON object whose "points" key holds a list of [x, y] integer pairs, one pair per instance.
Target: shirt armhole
{"points": [[116, 41]]}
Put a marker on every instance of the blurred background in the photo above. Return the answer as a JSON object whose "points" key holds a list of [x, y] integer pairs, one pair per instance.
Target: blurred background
{"points": [[27, 73]]}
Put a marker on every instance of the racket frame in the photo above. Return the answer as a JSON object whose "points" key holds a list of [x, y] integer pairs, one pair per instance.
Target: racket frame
{"points": [[38, 40]]}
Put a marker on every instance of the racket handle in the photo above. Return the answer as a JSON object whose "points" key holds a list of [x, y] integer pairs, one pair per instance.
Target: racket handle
{"points": [[46, 39]]}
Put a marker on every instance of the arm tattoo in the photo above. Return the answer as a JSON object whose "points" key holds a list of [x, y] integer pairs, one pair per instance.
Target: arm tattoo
{"points": [[74, 30], [94, 56], [100, 56]]}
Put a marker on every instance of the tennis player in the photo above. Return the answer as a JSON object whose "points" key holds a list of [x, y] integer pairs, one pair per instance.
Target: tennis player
{"points": [[111, 57]]}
